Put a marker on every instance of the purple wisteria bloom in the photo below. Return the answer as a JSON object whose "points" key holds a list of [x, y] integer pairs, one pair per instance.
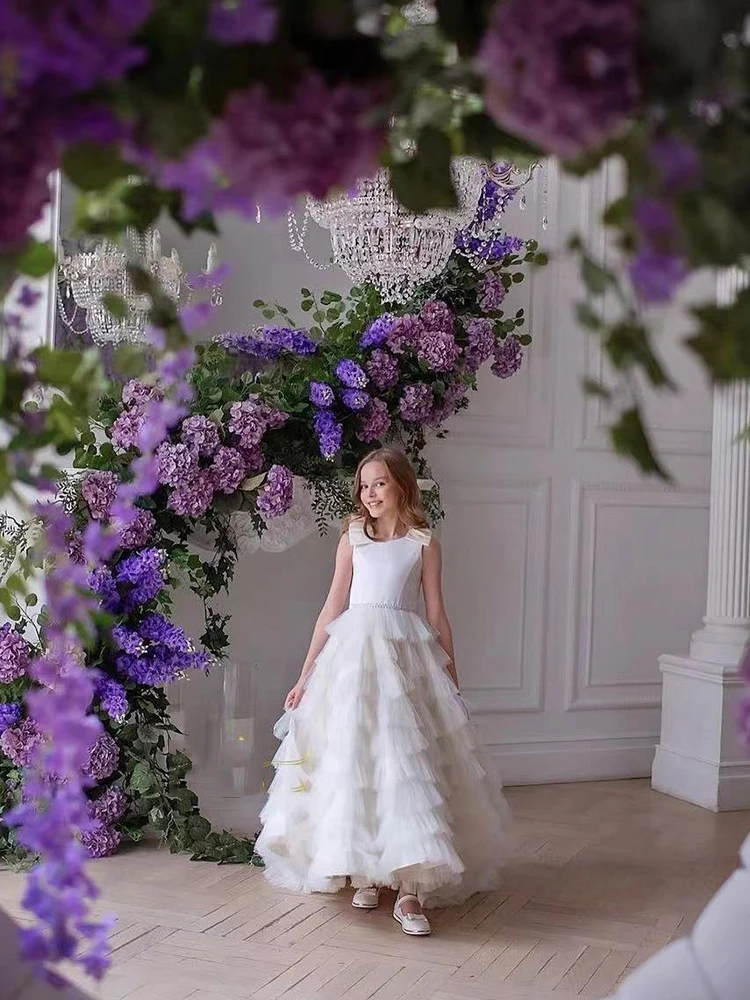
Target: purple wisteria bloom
{"points": [[234, 22], [275, 498], [416, 403], [14, 654], [200, 434], [351, 374], [329, 432], [375, 422], [20, 743], [112, 698], [139, 531], [481, 341], [100, 840], [321, 394], [382, 368], [128, 640], [492, 292], [156, 628], [377, 332], [354, 399], [110, 806], [103, 758], [10, 714], [98, 489], [489, 249], [142, 573], [103, 584], [227, 470], [177, 463], [508, 357], [160, 665], [192, 497], [405, 334]]}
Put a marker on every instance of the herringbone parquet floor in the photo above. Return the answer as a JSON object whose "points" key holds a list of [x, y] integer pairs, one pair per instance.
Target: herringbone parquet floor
{"points": [[606, 873]]}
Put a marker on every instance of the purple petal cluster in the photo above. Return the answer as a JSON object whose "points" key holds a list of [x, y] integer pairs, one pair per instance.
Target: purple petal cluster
{"points": [[103, 758], [436, 315], [351, 374], [136, 393], [200, 435], [480, 343], [142, 575], [492, 292], [330, 433], [416, 403], [354, 399], [321, 394], [100, 840], [20, 743], [227, 470], [382, 369], [110, 806], [127, 640], [103, 584], [657, 268], [438, 349], [275, 498], [192, 497], [562, 74], [449, 403], [137, 534], [177, 463], [98, 489], [15, 657], [405, 334], [126, 429], [248, 421], [158, 629], [508, 357], [374, 422], [29, 151], [489, 249], [234, 22], [112, 698], [160, 665], [377, 332], [254, 458], [10, 714]]}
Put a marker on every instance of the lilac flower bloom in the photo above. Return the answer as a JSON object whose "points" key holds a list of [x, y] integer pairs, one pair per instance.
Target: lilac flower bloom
{"points": [[192, 497], [137, 533], [375, 422], [233, 22], [275, 498], [127, 428], [248, 422], [143, 573], [351, 374], [110, 806], [254, 458], [127, 640], [377, 332], [416, 403], [20, 743], [561, 73], [227, 470], [481, 341], [100, 840], [354, 399], [382, 368], [489, 249], [156, 628], [15, 656], [508, 358], [10, 714], [103, 584], [103, 758], [436, 315], [492, 292], [329, 432], [98, 490], [177, 463], [200, 434], [438, 350], [321, 394], [137, 393], [405, 334], [112, 698]]}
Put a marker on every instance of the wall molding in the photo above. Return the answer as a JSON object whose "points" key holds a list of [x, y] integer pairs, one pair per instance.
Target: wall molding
{"points": [[536, 763]]}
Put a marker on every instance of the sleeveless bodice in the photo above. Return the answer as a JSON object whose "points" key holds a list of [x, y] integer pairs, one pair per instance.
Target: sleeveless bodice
{"points": [[387, 574]]}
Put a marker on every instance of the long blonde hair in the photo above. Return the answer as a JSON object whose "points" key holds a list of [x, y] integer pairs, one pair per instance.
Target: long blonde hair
{"points": [[410, 510]]}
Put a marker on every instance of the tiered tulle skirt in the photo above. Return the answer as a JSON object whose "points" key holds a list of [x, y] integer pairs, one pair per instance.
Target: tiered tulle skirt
{"points": [[379, 779]]}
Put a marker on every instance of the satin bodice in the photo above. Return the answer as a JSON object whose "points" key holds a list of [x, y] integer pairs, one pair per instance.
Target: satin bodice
{"points": [[387, 574]]}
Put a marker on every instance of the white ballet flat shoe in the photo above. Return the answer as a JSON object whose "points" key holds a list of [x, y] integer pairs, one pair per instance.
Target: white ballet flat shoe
{"points": [[415, 924], [367, 898]]}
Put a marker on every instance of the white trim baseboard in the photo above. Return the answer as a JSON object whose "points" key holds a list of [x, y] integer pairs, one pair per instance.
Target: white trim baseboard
{"points": [[576, 760]]}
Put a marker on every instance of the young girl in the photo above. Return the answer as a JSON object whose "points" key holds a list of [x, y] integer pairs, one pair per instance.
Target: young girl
{"points": [[378, 779]]}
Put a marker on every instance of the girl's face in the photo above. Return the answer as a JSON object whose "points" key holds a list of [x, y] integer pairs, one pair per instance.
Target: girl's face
{"points": [[378, 490]]}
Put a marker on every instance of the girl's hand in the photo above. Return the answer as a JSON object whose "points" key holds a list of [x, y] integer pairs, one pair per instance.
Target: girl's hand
{"points": [[295, 696]]}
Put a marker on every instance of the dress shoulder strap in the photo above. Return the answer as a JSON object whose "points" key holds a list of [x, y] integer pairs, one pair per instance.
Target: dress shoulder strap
{"points": [[357, 534], [423, 536]]}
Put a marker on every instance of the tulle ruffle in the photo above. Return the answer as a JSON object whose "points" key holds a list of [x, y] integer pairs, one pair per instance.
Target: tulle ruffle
{"points": [[379, 779]]}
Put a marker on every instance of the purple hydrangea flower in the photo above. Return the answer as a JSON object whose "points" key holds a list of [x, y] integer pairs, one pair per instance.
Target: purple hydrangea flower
{"points": [[200, 434], [177, 463], [98, 489], [137, 393], [10, 714], [192, 497], [14, 654], [375, 422], [274, 418], [436, 315], [382, 368], [508, 357], [438, 350], [449, 403], [227, 470], [377, 332], [561, 73], [405, 334], [112, 698], [19, 743], [481, 342], [254, 458], [143, 573], [247, 420], [110, 806], [416, 403], [275, 498], [100, 840], [126, 429], [321, 394], [492, 292], [136, 534], [330, 433], [127, 640], [103, 758], [103, 584], [234, 22], [351, 374], [156, 628], [355, 399]]}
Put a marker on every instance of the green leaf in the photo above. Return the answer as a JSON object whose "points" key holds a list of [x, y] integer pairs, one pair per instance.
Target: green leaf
{"points": [[596, 278], [142, 779], [116, 305], [592, 387], [524, 340], [587, 317], [92, 167], [36, 259], [629, 438]]}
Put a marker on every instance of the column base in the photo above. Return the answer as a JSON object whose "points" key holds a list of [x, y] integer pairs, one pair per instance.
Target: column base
{"points": [[700, 758]]}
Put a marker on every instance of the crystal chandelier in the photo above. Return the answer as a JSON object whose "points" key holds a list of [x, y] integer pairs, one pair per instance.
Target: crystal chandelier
{"points": [[86, 278]]}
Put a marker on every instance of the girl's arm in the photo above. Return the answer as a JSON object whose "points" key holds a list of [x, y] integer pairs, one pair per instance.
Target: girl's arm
{"points": [[432, 584], [334, 605]]}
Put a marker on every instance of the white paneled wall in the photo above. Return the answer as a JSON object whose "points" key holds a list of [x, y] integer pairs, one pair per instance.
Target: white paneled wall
{"points": [[567, 574]]}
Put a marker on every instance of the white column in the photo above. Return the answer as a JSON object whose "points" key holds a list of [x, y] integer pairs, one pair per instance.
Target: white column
{"points": [[700, 757]]}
